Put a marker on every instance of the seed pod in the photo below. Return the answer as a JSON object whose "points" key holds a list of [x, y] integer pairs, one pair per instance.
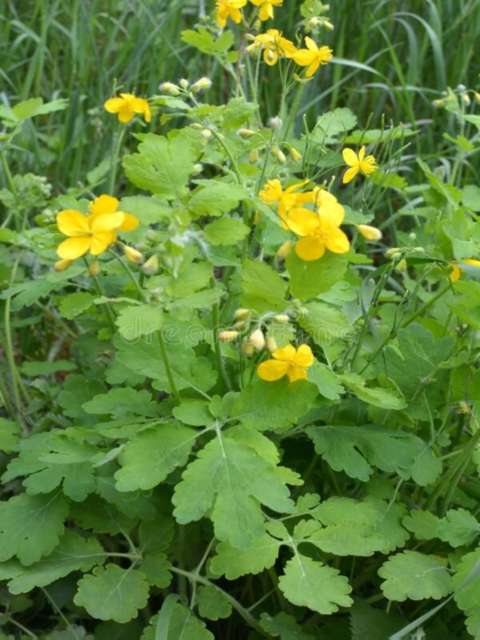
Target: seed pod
{"points": [[257, 339], [184, 83], [245, 133], [151, 266], [133, 255], [94, 268], [227, 336], [61, 265]]}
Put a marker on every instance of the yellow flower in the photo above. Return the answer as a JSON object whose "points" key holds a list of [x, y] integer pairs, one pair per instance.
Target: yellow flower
{"points": [[287, 361], [274, 46], [94, 232], [369, 233], [288, 199], [358, 164], [229, 9], [266, 8], [126, 106], [456, 270], [319, 231], [312, 57]]}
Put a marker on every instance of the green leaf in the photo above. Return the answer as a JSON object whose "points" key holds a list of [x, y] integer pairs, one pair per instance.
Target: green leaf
{"points": [[176, 623], [262, 288], [136, 321], [356, 450], [74, 304], [9, 435], [283, 626], [35, 107], [230, 481], [423, 524], [326, 381], [149, 458], [31, 526], [225, 231], [358, 528], [148, 209], [382, 398], [34, 368], [332, 124], [112, 593], [308, 279], [214, 198], [308, 583], [273, 406], [74, 553], [458, 528], [205, 42], [371, 623], [415, 576], [193, 412], [324, 322], [121, 402], [471, 197], [212, 604], [156, 567], [233, 563], [466, 585], [163, 165]]}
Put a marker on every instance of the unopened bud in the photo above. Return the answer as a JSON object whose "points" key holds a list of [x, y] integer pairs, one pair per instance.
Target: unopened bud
{"points": [[247, 348], [275, 123], [412, 235], [253, 156], [207, 134], [203, 84], [466, 99], [393, 252], [271, 344], [197, 168], [240, 325], [257, 339], [151, 266], [94, 268], [369, 233], [438, 103], [476, 96], [61, 265], [184, 83], [282, 318], [170, 88], [327, 25], [295, 155], [401, 265], [245, 133], [241, 313], [280, 156], [133, 255], [284, 250], [227, 336]]}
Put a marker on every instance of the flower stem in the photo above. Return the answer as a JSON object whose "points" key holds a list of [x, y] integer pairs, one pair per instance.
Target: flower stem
{"points": [[218, 351], [117, 145]]}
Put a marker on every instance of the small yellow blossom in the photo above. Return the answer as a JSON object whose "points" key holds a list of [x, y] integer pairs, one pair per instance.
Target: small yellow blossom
{"points": [[456, 270], [94, 232], [319, 232], [229, 9], [287, 361], [288, 199], [265, 11], [273, 45], [369, 233], [126, 106], [358, 164], [312, 57]]}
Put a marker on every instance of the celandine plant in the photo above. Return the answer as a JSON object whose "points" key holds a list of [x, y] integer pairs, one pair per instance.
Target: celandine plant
{"points": [[242, 400]]}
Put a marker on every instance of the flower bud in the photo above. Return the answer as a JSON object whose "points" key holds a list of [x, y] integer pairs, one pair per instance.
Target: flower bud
{"points": [[466, 99], [284, 250], [133, 255], [476, 96], [241, 314], [151, 266], [280, 156], [275, 123], [197, 168], [401, 265], [253, 156], [247, 348], [369, 233], [94, 268], [240, 325], [295, 155], [328, 25], [184, 83], [207, 134], [393, 252], [203, 84], [282, 318], [257, 339], [245, 133], [227, 336], [170, 88], [61, 265], [271, 344]]}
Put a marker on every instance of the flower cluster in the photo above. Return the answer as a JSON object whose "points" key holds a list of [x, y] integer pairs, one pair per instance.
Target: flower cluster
{"points": [[231, 9], [318, 228], [95, 232]]}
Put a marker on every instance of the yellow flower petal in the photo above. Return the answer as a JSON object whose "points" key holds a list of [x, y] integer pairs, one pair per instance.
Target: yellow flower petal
{"points": [[350, 174], [272, 370], [286, 353], [72, 223], [337, 241], [101, 241], [296, 373], [309, 249], [361, 153], [107, 222], [303, 222], [73, 248], [303, 57], [130, 222], [113, 105], [304, 356], [125, 114], [104, 204], [472, 262], [311, 45], [455, 273], [350, 157]]}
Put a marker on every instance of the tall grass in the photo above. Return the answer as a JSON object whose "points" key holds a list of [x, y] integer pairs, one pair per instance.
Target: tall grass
{"points": [[393, 57]]}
